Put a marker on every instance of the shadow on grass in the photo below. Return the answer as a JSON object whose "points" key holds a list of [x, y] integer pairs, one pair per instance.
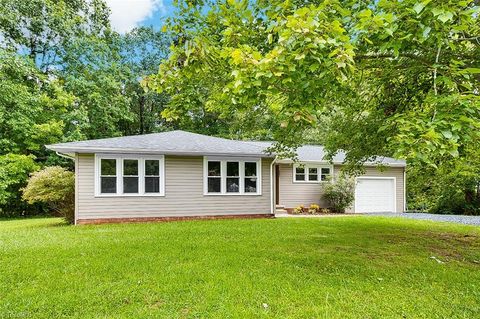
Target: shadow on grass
{"points": [[33, 222]]}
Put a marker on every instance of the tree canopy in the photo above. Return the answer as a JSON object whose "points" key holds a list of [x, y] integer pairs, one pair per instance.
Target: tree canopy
{"points": [[402, 74], [66, 75]]}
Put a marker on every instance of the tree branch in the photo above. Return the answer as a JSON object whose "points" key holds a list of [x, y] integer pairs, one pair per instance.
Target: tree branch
{"points": [[391, 56], [435, 69]]}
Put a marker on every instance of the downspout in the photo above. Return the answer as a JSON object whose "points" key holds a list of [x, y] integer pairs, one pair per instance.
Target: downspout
{"points": [[404, 189], [272, 191]]}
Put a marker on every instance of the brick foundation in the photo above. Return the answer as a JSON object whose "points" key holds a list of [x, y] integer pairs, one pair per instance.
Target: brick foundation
{"points": [[167, 219]]}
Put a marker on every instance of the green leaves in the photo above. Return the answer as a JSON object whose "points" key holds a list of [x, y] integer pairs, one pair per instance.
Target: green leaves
{"points": [[445, 16], [418, 7], [442, 14], [447, 134], [65, 75], [367, 13], [348, 73], [32, 111], [14, 171], [471, 70], [54, 186]]}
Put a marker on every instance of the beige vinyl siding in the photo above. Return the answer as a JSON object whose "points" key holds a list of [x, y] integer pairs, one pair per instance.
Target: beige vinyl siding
{"points": [[295, 194], [183, 194]]}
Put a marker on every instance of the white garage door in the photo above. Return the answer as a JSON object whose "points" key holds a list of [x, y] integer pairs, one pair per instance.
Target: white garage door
{"points": [[373, 195]]}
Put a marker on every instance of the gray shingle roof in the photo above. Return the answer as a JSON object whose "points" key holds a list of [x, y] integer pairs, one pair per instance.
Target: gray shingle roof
{"points": [[186, 143], [316, 153], [173, 142]]}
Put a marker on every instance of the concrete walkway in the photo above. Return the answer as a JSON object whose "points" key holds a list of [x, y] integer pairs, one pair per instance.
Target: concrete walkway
{"points": [[459, 219]]}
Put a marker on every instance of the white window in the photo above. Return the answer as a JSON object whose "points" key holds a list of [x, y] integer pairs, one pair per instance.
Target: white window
{"points": [[232, 176], [126, 175], [308, 173]]}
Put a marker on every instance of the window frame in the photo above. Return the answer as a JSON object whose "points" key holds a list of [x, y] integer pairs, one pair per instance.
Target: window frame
{"points": [[215, 177], [160, 176], [307, 167], [237, 177], [100, 176], [120, 175], [257, 177], [223, 175]]}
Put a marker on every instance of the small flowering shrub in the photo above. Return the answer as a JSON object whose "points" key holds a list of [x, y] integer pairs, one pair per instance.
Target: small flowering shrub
{"points": [[314, 209], [340, 194], [298, 210], [54, 186], [325, 211]]}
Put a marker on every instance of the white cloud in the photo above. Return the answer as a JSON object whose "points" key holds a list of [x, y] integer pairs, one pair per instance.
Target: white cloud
{"points": [[127, 14]]}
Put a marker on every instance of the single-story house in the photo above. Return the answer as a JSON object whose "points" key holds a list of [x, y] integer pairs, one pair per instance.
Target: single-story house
{"points": [[177, 175]]}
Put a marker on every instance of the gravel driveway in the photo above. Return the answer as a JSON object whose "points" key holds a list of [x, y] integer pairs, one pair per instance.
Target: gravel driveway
{"points": [[459, 219]]}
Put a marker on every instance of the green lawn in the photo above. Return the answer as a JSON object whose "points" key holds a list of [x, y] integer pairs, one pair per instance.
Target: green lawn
{"points": [[348, 267]]}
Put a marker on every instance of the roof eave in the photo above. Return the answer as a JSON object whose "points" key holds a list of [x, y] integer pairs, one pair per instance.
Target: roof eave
{"points": [[288, 161]]}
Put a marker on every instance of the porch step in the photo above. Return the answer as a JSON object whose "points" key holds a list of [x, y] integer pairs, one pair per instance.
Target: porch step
{"points": [[279, 206], [280, 211]]}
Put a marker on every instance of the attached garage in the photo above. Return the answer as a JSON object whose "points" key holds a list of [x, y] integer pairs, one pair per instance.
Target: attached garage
{"points": [[375, 194]]}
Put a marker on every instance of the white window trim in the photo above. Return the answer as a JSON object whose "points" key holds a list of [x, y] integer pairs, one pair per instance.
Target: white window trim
{"points": [[223, 175], [141, 174], [307, 166]]}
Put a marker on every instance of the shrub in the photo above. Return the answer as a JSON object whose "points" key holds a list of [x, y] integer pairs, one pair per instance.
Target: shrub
{"points": [[447, 189], [298, 210], [14, 170], [340, 194], [314, 209], [325, 211], [54, 186]]}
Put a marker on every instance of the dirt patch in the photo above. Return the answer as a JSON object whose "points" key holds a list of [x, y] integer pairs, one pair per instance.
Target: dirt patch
{"points": [[447, 246], [453, 246]]}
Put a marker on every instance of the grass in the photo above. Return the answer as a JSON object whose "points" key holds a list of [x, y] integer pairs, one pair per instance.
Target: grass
{"points": [[349, 267]]}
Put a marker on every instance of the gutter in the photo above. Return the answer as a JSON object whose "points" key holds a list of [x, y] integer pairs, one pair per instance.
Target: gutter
{"points": [[322, 162], [65, 156]]}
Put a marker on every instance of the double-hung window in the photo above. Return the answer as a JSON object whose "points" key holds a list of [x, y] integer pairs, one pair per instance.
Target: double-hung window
{"points": [[119, 175], [232, 176], [309, 173]]}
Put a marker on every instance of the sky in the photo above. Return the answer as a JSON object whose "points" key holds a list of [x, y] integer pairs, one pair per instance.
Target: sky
{"points": [[128, 14]]}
